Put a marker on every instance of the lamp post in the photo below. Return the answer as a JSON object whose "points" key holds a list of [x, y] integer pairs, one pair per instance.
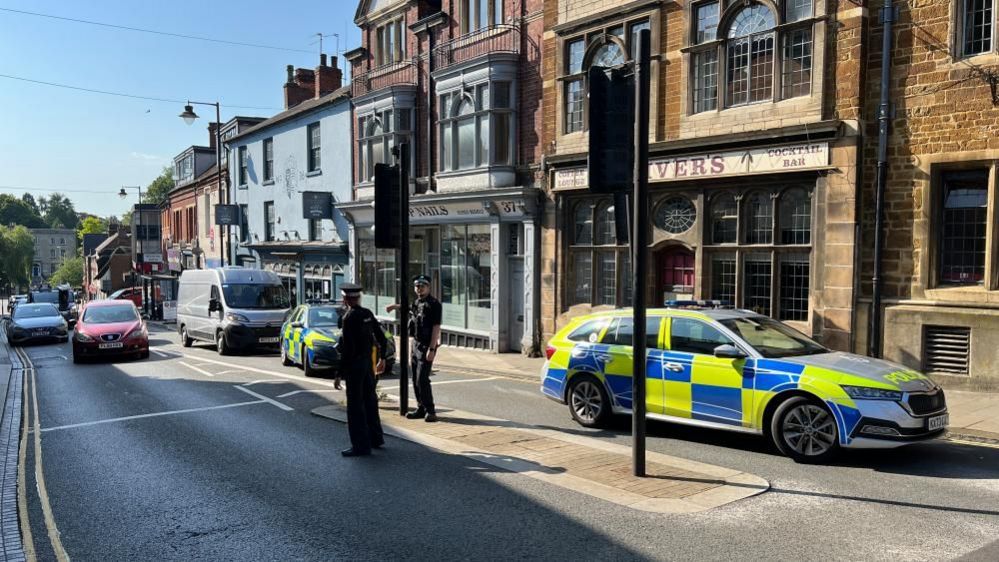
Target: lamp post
{"points": [[189, 116], [123, 194]]}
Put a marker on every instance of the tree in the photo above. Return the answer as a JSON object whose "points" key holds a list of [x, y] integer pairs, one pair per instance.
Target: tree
{"points": [[17, 212], [70, 271], [126, 218], [160, 187], [91, 225], [60, 211], [29, 200], [17, 246]]}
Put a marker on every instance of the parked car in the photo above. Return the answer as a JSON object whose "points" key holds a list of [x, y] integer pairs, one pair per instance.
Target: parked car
{"points": [[62, 297], [110, 328], [737, 370], [14, 301], [309, 336], [36, 322], [232, 307]]}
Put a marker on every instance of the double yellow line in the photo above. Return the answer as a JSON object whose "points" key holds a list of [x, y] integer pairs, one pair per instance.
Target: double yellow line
{"points": [[28, 372]]}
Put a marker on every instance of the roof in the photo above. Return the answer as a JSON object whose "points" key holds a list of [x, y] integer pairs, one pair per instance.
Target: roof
{"points": [[109, 302], [300, 109]]}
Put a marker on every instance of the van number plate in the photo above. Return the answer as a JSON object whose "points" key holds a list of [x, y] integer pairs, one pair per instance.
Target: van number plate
{"points": [[937, 422]]}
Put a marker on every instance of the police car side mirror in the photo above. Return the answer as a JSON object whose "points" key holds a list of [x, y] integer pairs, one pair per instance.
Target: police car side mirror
{"points": [[727, 351], [297, 325]]}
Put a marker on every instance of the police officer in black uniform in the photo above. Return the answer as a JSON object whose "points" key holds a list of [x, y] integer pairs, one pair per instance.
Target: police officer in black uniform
{"points": [[360, 331], [425, 329]]}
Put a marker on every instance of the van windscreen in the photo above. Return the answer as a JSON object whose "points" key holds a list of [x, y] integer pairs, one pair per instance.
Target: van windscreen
{"points": [[245, 295]]}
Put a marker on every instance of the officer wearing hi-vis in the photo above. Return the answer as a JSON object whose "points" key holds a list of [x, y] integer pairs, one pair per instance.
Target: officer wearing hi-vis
{"points": [[425, 329], [360, 331]]}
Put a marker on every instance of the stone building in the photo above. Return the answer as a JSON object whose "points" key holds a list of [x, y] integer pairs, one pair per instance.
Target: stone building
{"points": [[755, 130], [460, 82], [941, 272], [52, 246]]}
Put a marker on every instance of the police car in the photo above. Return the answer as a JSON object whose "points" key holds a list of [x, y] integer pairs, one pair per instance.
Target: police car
{"points": [[731, 369], [309, 335]]}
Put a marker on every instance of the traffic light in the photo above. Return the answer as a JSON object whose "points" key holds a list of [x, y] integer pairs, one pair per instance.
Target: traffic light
{"points": [[387, 195], [612, 129]]}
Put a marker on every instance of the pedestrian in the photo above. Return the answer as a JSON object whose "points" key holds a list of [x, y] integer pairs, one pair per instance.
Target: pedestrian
{"points": [[360, 331], [425, 329]]}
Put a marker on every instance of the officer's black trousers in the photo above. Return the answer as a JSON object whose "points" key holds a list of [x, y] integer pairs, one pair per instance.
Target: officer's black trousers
{"points": [[363, 423], [420, 368]]}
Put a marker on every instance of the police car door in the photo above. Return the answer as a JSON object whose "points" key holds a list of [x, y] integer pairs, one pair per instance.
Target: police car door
{"points": [[290, 336], [699, 385], [618, 371]]}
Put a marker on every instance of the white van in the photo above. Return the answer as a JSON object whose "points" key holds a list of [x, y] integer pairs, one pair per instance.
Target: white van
{"points": [[232, 307]]}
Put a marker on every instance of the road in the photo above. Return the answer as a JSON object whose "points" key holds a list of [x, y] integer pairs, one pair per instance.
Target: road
{"points": [[189, 455]]}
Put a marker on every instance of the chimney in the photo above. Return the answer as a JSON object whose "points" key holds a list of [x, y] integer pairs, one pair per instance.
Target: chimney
{"points": [[294, 90], [328, 78], [211, 134]]}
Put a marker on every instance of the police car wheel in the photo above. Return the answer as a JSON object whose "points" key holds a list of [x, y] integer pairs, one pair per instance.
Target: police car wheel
{"points": [[588, 402], [805, 430], [310, 371], [285, 360]]}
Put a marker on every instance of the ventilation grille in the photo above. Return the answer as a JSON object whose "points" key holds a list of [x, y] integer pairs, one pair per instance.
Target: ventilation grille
{"points": [[946, 349]]}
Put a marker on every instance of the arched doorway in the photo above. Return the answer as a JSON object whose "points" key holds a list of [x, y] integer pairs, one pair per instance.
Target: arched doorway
{"points": [[674, 273]]}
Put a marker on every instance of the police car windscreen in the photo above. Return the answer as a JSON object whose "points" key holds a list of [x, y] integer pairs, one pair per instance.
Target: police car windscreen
{"points": [[245, 295], [771, 338], [321, 317]]}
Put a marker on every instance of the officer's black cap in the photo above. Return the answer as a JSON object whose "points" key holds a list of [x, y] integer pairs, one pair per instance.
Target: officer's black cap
{"points": [[350, 290], [421, 280]]}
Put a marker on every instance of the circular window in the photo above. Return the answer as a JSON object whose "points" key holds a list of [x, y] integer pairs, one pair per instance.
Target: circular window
{"points": [[676, 215]]}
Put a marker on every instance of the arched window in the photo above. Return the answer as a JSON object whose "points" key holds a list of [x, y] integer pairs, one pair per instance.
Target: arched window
{"points": [[750, 56], [795, 217], [476, 126], [608, 55], [724, 219], [604, 221], [379, 132], [465, 139], [759, 217]]}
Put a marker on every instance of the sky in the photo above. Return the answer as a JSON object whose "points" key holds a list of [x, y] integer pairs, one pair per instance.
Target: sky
{"points": [[88, 145]]}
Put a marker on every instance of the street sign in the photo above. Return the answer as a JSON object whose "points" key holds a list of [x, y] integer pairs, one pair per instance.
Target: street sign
{"points": [[317, 205], [227, 215]]}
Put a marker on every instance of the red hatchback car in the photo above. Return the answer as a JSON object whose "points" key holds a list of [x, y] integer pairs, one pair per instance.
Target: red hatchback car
{"points": [[110, 328]]}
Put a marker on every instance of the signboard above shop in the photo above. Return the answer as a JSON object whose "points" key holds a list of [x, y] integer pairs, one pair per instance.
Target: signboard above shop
{"points": [[227, 215], [752, 161], [317, 205]]}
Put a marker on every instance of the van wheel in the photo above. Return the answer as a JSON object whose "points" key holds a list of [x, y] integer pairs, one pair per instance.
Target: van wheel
{"points": [[185, 339], [221, 345], [588, 402], [805, 430]]}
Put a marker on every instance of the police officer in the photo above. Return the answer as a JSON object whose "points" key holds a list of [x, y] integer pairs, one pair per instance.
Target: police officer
{"points": [[360, 331], [425, 329]]}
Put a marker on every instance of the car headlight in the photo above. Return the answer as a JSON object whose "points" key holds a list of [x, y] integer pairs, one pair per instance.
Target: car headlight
{"points": [[236, 317], [136, 333], [866, 393], [80, 336], [324, 345]]}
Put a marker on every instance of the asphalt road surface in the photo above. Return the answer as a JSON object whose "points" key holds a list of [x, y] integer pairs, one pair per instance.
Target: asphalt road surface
{"points": [[188, 455]]}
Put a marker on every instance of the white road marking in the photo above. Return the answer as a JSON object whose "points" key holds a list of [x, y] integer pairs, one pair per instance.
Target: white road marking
{"points": [[266, 372], [197, 369], [265, 399], [161, 354], [261, 381], [318, 390], [230, 371], [153, 415]]}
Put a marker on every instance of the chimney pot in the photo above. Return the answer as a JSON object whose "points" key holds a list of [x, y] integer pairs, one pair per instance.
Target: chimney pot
{"points": [[291, 73], [322, 59]]}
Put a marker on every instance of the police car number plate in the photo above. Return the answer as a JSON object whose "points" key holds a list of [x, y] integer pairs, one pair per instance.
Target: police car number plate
{"points": [[937, 422], [268, 340], [115, 345]]}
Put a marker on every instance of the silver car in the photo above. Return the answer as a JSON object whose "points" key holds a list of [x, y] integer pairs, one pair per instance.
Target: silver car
{"points": [[37, 322]]}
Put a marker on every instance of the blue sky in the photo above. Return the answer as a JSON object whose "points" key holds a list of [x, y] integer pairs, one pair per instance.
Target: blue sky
{"points": [[71, 140]]}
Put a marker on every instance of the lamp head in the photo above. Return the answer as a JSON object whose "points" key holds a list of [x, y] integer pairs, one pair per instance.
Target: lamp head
{"points": [[189, 115]]}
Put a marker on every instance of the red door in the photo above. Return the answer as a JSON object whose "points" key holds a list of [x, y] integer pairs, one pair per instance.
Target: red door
{"points": [[676, 271]]}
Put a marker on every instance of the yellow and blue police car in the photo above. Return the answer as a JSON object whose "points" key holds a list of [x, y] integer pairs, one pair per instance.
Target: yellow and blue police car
{"points": [[733, 369], [309, 335]]}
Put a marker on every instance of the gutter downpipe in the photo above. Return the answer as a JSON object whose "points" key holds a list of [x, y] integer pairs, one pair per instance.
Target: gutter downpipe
{"points": [[888, 15]]}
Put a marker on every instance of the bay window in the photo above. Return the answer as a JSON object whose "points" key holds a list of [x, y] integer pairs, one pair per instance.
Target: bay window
{"points": [[378, 133], [477, 127]]}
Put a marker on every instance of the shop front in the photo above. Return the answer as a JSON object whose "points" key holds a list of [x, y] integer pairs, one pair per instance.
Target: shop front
{"points": [[478, 250], [311, 271]]}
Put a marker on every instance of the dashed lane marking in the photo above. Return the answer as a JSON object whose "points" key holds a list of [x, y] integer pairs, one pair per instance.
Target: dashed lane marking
{"points": [[196, 369], [316, 391], [152, 415], [261, 381], [265, 399]]}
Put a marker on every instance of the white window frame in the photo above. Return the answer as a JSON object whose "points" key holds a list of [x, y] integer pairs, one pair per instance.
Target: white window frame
{"points": [[485, 116], [961, 29], [396, 126]]}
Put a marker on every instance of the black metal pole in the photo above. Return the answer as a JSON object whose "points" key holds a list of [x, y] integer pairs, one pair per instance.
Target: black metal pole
{"points": [[402, 269], [639, 243], [884, 122]]}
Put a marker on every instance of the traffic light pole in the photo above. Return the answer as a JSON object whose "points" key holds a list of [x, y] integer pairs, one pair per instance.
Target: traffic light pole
{"points": [[639, 243], [402, 269]]}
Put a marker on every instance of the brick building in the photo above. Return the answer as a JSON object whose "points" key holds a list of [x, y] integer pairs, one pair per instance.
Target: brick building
{"points": [[941, 273], [460, 81], [754, 138]]}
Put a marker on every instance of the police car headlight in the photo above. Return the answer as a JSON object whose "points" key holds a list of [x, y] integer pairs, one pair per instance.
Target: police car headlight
{"points": [[235, 317], [324, 345], [865, 393]]}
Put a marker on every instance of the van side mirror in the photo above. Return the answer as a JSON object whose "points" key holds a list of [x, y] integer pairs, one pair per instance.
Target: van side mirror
{"points": [[214, 305], [727, 351]]}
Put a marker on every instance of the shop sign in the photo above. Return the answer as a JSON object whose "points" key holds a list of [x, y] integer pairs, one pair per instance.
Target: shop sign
{"points": [[173, 260], [152, 258], [443, 211], [227, 215], [763, 160], [317, 205], [169, 310]]}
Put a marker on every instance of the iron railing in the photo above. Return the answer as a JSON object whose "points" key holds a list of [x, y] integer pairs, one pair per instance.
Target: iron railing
{"points": [[503, 38], [393, 74]]}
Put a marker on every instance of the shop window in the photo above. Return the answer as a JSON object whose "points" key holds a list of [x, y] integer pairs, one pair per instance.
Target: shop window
{"points": [[759, 219], [724, 219], [795, 217], [794, 274], [600, 268], [976, 21], [756, 283], [723, 272], [964, 226], [754, 51]]}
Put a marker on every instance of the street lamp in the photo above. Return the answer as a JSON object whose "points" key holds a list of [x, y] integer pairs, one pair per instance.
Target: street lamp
{"points": [[189, 117], [123, 194]]}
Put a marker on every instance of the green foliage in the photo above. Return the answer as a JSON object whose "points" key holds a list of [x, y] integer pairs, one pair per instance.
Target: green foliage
{"points": [[15, 211], [70, 271], [160, 187], [59, 212], [29, 200], [91, 225], [17, 246], [126, 218]]}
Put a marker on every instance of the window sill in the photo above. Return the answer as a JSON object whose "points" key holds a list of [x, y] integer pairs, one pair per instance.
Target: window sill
{"points": [[242, 186], [473, 171], [972, 294], [966, 62], [268, 182], [314, 173]]}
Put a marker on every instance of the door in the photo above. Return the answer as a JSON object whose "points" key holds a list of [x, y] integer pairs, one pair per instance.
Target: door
{"points": [[516, 318], [699, 385], [675, 273], [619, 369]]}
